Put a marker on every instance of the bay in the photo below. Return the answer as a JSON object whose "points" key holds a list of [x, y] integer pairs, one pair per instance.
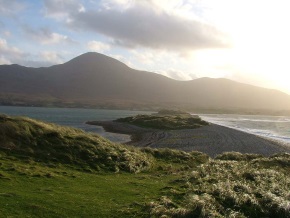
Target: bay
{"points": [[75, 117]]}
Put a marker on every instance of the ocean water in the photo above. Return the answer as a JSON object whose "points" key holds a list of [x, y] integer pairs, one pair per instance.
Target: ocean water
{"points": [[75, 118], [273, 127]]}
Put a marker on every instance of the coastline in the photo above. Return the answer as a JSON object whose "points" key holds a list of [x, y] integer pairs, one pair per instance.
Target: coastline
{"points": [[212, 140]]}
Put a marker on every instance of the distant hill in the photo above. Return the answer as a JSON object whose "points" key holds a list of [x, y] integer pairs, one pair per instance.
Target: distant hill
{"points": [[96, 80]]}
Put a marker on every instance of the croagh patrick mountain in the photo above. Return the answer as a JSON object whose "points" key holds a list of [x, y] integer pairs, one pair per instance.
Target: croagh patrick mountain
{"points": [[96, 80]]}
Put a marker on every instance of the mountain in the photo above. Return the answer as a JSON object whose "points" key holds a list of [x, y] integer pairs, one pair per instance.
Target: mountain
{"points": [[96, 80]]}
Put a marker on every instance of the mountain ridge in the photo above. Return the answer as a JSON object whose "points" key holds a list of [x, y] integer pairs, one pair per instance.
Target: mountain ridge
{"points": [[96, 80]]}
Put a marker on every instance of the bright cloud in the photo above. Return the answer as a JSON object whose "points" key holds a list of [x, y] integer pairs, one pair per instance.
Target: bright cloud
{"points": [[4, 61], [98, 46], [8, 50], [140, 25], [51, 57]]}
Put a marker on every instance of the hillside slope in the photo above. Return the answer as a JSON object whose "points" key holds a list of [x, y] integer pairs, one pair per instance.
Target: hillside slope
{"points": [[39, 141], [96, 80]]}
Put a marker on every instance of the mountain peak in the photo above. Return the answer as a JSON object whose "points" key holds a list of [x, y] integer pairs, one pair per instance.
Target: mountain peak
{"points": [[94, 58]]}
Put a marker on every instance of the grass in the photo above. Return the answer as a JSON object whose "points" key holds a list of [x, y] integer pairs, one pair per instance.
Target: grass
{"points": [[166, 120], [230, 188], [52, 171], [36, 190], [39, 141]]}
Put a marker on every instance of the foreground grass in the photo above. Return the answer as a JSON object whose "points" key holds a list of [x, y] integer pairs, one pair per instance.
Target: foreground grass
{"points": [[233, 185], [37, 190], [52, 171], [215, 188], [166, 120]]}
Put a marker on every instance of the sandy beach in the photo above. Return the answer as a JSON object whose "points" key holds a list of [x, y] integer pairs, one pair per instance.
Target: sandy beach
{"points": [[212, 139]]}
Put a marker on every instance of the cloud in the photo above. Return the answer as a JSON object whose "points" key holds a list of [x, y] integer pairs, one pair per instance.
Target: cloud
{"points": [[9, 51], [11, 7], [123, 59], [3, 60], [51, 57], [46, 36], [41, 59], [60, 9], [12, 55], [142, 25], [98, 46], [146, 56]]}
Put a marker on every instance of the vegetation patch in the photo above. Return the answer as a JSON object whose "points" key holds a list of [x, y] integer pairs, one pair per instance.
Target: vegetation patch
{"points": [[166, 120], [176, 156], [230, 188], [39, 141], [27, 191]]}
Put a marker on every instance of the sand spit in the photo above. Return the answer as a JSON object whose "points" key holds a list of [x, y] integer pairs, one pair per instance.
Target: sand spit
{"points": [[212, 139]]}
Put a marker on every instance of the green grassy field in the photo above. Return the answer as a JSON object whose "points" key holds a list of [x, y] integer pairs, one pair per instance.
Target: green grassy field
{"points": [[104, 179], [35, 190]]}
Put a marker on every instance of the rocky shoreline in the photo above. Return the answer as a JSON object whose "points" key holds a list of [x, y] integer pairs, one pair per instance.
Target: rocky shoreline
{"points": [[212, 139]]}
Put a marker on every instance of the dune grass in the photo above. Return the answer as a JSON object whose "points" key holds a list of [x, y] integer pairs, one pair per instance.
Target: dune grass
{"points": [[166, 120], [39, 141], [229, 188]]}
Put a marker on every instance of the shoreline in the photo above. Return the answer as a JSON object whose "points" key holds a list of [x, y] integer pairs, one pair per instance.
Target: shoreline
{"points": [[212, 140]]}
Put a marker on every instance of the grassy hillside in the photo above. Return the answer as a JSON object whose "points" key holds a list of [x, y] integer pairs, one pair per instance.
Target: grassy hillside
{"points": [[166, 120], [52, 171], [39, 141]]}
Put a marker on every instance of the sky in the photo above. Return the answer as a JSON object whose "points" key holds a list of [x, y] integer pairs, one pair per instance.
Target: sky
{"points": [[243, 40]]}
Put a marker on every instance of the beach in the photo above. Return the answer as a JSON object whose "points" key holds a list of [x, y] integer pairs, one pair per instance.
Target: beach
{"points": [[212, 139]]}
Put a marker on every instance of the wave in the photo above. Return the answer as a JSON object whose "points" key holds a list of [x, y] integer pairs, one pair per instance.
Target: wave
{"points": [[286, 120], [277, 128], [267, 121]]}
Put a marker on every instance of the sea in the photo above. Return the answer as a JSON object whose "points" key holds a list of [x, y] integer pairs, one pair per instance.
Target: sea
{"points": [[273, 127]]}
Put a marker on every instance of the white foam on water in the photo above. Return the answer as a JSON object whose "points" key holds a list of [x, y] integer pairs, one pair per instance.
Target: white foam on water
{"points": [[272, 127]]}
